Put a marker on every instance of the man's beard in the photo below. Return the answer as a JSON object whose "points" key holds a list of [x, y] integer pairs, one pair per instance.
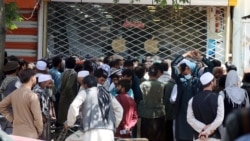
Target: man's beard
{"points": [[49, 92]]}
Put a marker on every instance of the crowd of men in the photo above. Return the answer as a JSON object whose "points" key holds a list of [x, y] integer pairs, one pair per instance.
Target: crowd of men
{"points": [[189, 98]]}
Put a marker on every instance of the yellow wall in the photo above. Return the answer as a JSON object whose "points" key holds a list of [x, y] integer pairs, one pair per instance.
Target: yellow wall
{"points": [[232, 2]]}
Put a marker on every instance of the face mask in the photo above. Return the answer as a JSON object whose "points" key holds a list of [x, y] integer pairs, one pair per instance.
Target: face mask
{"points": [[188, 76], [49, 92]]}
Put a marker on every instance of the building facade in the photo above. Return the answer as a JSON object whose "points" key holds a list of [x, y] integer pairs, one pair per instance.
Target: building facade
{"points": [[23, 42], [100, 28]]}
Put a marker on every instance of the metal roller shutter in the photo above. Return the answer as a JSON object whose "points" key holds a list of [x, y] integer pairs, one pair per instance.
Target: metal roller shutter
{"points": [[97, 29]]}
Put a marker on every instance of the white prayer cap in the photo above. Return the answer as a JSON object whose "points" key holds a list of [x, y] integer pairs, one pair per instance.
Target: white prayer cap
{"points": [[82, 73], [41, 65], [206, 78], [44, 77]]}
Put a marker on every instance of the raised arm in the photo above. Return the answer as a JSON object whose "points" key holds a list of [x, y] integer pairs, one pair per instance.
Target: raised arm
{"points": [[176, 61]]}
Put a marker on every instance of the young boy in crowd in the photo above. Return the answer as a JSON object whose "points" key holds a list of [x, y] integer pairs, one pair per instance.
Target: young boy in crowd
{"points": [[130, 116]]}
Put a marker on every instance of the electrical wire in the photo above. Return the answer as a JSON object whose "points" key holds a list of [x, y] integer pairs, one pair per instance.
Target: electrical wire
{"points": [[33, 11]]}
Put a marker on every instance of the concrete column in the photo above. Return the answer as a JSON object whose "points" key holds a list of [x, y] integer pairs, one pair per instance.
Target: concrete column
{"points": [[237, 52], [40, 32]]}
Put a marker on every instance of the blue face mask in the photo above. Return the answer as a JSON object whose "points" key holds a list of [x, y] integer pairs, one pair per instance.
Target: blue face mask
{"points": [[188, 76]]}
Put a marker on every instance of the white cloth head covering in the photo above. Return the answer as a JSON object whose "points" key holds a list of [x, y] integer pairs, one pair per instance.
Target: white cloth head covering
{"points": [[182, 61], [82, 73], [106, 68], [191, 65], [206, 78], [41, 65], [116, 71], [234, 93], [44, 77]]}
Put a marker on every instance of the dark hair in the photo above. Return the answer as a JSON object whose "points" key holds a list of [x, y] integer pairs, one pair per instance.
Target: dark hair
{"points": [[140, 71], [56, 61], [90, 81], [164, 66], [216, 63], [128, 63], [26, 74], [22, 63], [101, 73], [70, 62], [230, 66], [115, 75], [88, 65], [182, 67], [111, 64], [154, 69], [79, 67], [222, 81], [13, 58], [125, 83], [127, 72], [107, 60], [246, 78], [136, 60]]}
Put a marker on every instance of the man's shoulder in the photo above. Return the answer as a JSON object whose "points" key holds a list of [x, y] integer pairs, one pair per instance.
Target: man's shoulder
{"points": [[82, 92], [125, 98], [38, 90], [54, 71], [208, 92], [30, 94], [170, 82]]}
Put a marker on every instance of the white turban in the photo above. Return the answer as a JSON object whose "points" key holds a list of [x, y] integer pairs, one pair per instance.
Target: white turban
{"points": [[44, 77], [82, 73], [41, 65], [206, 78]]}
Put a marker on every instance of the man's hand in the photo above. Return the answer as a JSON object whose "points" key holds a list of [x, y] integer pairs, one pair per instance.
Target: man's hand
{"points": [[196, 55], [66, 126], [203, 136], [187, 54]]}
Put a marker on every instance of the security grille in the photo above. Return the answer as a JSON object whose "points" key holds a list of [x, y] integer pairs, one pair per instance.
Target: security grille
{"points": [[133, 31]]}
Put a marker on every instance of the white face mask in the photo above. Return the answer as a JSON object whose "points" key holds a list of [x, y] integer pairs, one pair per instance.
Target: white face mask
{"points": [[188, 76]]}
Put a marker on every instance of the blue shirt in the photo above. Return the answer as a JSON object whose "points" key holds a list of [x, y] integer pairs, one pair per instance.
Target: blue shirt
{"points": [[114, 92], [56, 76]]}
